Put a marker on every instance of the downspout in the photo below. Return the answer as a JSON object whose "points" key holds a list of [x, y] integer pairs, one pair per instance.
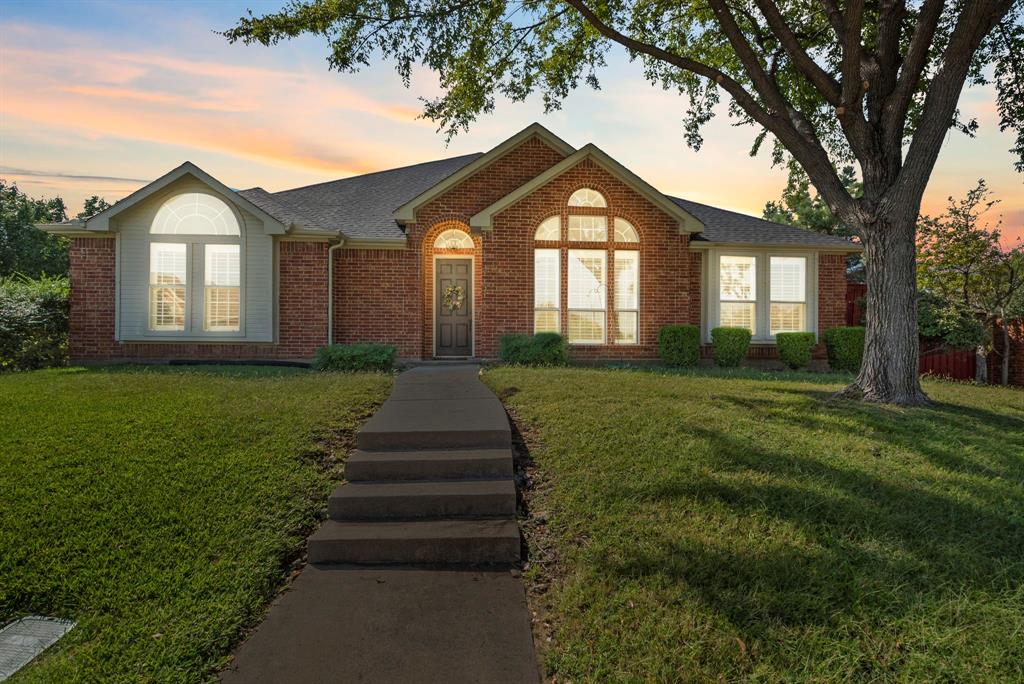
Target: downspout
{"points": [[330, 290]]}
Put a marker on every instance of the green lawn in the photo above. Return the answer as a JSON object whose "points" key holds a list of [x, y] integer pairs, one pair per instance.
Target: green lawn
{"points": [[162, 507], [743, 527]]}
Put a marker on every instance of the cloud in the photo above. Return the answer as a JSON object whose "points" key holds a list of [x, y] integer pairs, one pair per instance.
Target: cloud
{"points": [[7, 170]]}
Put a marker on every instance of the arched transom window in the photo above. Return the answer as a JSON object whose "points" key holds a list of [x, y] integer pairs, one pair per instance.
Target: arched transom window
{"points": [[453, 238], [586, 301], [195, 265]]}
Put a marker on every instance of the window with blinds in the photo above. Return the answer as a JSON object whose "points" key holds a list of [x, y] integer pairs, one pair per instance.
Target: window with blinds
{"points": [[546, 286], [788, 286], [587, 296], [737, 283]]}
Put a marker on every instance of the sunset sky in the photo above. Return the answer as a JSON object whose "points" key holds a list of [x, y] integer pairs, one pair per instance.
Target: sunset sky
{"points": [[101, 97]]}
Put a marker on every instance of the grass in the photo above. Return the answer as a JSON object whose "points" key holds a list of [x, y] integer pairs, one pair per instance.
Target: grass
{"points": [[161, 507], [742, 526]]}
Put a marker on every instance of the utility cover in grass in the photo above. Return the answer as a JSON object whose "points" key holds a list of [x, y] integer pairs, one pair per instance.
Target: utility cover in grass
{"points": [[24, 639]]}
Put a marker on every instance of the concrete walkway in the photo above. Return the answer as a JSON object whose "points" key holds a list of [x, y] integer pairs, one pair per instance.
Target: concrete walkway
{"points": [[431, 495]]}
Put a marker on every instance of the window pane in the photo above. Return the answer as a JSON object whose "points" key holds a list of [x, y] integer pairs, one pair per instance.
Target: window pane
{"points": [[585, 197], [789, 279], [166, 308], [166, 264], [195, 213], [787, 318], [586, 327], [588, 228], [545, 321], [627, 272], [545, 279], [737, 278], [549, 229], [222, 295], [625, 327], [625, 232], [587, 279], [453, 239], [737, 315]]}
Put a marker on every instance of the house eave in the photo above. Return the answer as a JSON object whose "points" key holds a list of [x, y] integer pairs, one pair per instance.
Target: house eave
{"points": [[72, 229], [852, 248]]}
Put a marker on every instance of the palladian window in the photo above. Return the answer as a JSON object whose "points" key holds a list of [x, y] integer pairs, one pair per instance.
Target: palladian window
{"points": [[602, 280], [195, 233]]}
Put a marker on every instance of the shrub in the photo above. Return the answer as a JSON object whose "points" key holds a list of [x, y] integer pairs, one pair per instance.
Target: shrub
{"points": [[33, 322], [730, 345], [795, 348], [355, 357], [542, 349], [845, 347], [679, 345]]}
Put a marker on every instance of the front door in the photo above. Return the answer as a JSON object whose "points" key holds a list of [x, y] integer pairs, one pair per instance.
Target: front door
{"points": [[453, 315]]}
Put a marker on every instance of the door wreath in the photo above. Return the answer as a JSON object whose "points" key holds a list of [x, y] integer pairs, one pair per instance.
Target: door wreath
{"points": [[452, 298]]}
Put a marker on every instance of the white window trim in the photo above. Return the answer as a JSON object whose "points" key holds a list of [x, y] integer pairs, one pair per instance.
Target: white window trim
{"points": [[762, 308]]}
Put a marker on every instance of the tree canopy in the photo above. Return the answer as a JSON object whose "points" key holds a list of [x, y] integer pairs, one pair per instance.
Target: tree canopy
{"points": [[24, 248]]}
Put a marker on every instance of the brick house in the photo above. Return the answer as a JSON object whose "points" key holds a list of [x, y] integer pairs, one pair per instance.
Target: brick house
{"points": [[440, 259]]}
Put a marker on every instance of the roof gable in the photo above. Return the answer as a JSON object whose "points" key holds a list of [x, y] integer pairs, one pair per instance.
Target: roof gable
{"points": [[101, 221], [407, 212], [688, 223]]}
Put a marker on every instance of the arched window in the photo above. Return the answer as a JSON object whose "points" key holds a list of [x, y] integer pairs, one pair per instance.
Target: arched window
{"points": [[585, 197], [453, 238], [213, 252], [625, 232], [550, 229], [588, 278], [195, 213]]}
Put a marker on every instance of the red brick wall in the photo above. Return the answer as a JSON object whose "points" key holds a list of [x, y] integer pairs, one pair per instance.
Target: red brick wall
{"points": [[302, 312], [377, 298], [831, 291]]}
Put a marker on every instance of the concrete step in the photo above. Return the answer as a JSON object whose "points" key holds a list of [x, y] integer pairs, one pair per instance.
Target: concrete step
{"points": [[434, 499], [423, 541], [436, 424], [429, 464]]}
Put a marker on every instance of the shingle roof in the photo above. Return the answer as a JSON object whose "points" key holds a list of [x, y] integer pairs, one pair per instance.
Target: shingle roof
{"points": [[362, 207], [730, 227]]}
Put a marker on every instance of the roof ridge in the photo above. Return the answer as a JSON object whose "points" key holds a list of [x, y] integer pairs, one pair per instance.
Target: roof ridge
{"points": [[374, 173]]}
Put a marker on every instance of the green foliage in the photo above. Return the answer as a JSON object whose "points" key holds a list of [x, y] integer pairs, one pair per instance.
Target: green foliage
{"points": [[730, 345], [795, 348], [24, 248], [710, 525], [953, 327], [355, 357], [92, 206], [799, 207], [845, 346], [679, 345], [33, 322], [163, 507], [542, 349]]}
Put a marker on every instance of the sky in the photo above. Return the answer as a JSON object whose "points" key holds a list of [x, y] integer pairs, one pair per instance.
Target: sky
{"points": [[102, 97]]}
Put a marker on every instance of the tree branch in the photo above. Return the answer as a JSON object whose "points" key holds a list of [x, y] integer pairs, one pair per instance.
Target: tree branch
{"points": [[826, 85]]}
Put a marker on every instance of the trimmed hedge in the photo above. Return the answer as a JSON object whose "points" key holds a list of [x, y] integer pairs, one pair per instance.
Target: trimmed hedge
{"points": [[795, 348], [679, 345], [542, 349], [845, 347], [33, 322], [355, 357], [730, 345]]}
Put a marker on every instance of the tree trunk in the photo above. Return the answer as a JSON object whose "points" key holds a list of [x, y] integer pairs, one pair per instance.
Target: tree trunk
{"points": [[889, 372], [981, 365], [1006, 352]]}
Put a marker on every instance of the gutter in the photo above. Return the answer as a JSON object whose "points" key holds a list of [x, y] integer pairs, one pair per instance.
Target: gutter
{"points": [[330, 290]]}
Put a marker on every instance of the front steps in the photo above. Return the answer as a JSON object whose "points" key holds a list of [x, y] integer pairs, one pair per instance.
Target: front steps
{"points": [[431, 481]]}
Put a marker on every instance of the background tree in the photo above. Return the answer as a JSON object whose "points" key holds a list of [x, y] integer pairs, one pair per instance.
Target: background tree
{"points": [[872, 83], [24, 248], [92, 206], [800, 205], [967, 275]]}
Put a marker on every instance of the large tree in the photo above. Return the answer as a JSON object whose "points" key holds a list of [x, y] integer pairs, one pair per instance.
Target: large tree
{"points": [[828, 82], [24, 249]]}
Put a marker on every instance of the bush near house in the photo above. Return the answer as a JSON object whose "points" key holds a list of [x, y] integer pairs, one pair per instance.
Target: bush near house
{"points": [[542, 349], [845, 346], [33, 322], [355, 357], [795, 348], [679, 345], [730, 345]]}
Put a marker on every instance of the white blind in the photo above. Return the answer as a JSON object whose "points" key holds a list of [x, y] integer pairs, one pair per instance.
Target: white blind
{"points": [[587, 279], [627, 276], [737, 277], [545, 278], [222, 266], [167, 263], [788, 279]]}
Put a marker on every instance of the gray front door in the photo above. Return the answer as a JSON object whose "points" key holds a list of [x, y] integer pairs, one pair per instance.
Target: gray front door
{"points": [[453, 315]]}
